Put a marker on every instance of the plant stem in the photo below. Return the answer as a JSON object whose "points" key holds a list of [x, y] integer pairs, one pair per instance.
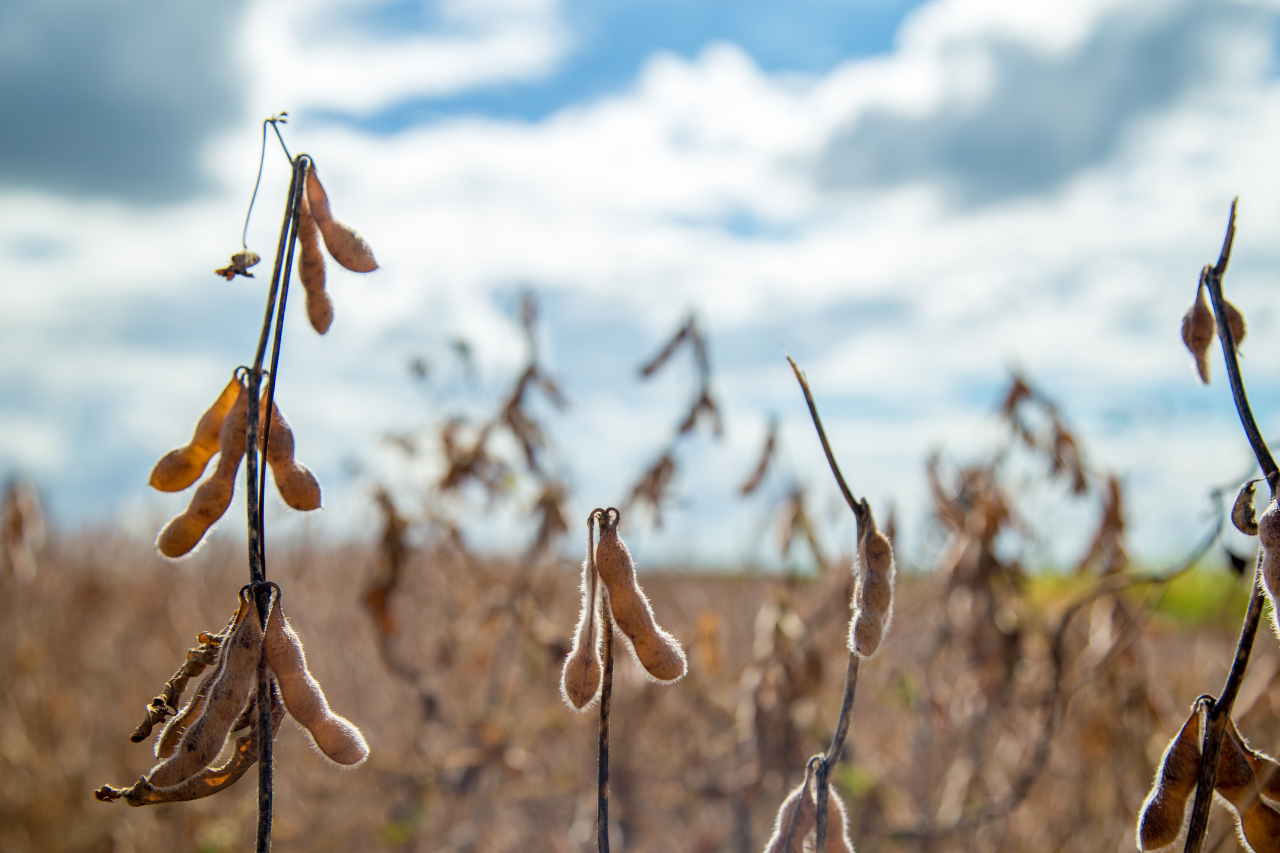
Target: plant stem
{"points": [[833, 754], [859, 507], [255, 481], [606, 692], [1220, 709], [861, 514]]}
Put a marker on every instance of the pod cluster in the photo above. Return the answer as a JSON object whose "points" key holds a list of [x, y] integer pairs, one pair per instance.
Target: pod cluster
{"points": [[609, 580], [1247, 783], [225, 702], [1198, 328], [316, 223], [795, 829], [222, 431]]}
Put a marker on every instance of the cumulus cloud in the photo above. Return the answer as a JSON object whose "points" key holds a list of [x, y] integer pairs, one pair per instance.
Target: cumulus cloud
{"points": [[115, 99], [1023, 116], [707, 184]]}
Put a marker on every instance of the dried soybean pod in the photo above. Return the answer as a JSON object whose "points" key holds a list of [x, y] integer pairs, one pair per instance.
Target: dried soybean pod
{"points": [[1235, 322], [311, 271], [167, 742], [1197, 331], [837, 824], [347, 247], [580, 678], [797, 817], [1166, 811], [213, 497], [204, 738], [182, 467], [1269, 539], [296, 484], [1242, 512], [209, 781], [334, 736], [1259, 828], [656, 650], [873, 598]]}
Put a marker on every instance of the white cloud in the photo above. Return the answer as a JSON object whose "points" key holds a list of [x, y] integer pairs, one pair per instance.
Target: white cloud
{"points": [[697, 187], [308, 56]]}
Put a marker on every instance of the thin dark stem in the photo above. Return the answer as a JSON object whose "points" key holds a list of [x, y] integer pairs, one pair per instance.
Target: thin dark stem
{"points": [[299, 182], [859, 508], [255, 481], [266, 768], [861, 513], [257, 563], [1220, 710], [834, 753], [606, 692]]}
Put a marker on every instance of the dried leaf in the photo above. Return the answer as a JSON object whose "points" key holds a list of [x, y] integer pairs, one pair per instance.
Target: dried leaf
{"points": [[766, 456], [1242, 512], [240, 263]]}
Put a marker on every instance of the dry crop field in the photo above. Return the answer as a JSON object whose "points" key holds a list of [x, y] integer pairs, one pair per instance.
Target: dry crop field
{"points": [[474, 750], [980, 705]]}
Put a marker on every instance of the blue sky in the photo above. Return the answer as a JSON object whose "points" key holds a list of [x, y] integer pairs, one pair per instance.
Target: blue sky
{"points": [[911, 198]]}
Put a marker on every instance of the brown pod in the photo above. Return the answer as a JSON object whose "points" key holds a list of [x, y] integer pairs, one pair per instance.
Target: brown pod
{"points": [[213, 497], [1259, 828], [1242, 512], [182, 467], [167, 741], [311, 271], [797, 818], [1166, 810], [580, 678], [1269, 539], [344, 244], [298, 487], [837, 824], [204, 738], [656, 650], [873, 598], [1235, 322], [1197, 332], [208, 781], [334, 736]]}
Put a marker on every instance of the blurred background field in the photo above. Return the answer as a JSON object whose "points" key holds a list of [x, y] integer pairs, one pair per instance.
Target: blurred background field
{"points": [[474, 750]]}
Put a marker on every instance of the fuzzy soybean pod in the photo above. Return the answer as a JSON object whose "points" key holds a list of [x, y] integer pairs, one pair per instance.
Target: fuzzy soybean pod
{"points": [[167, 741], [873, 598], [837, 824], [1257, 823], [298, 487], [182, 467], [656, 650], [1269, 539], [580, 679], [208, 781], [311, 271], [204, 738], [797, 817], [347, 247], [334, 736], [213, 497], [1197, 332], [1166, 811], [1242, 515]]}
